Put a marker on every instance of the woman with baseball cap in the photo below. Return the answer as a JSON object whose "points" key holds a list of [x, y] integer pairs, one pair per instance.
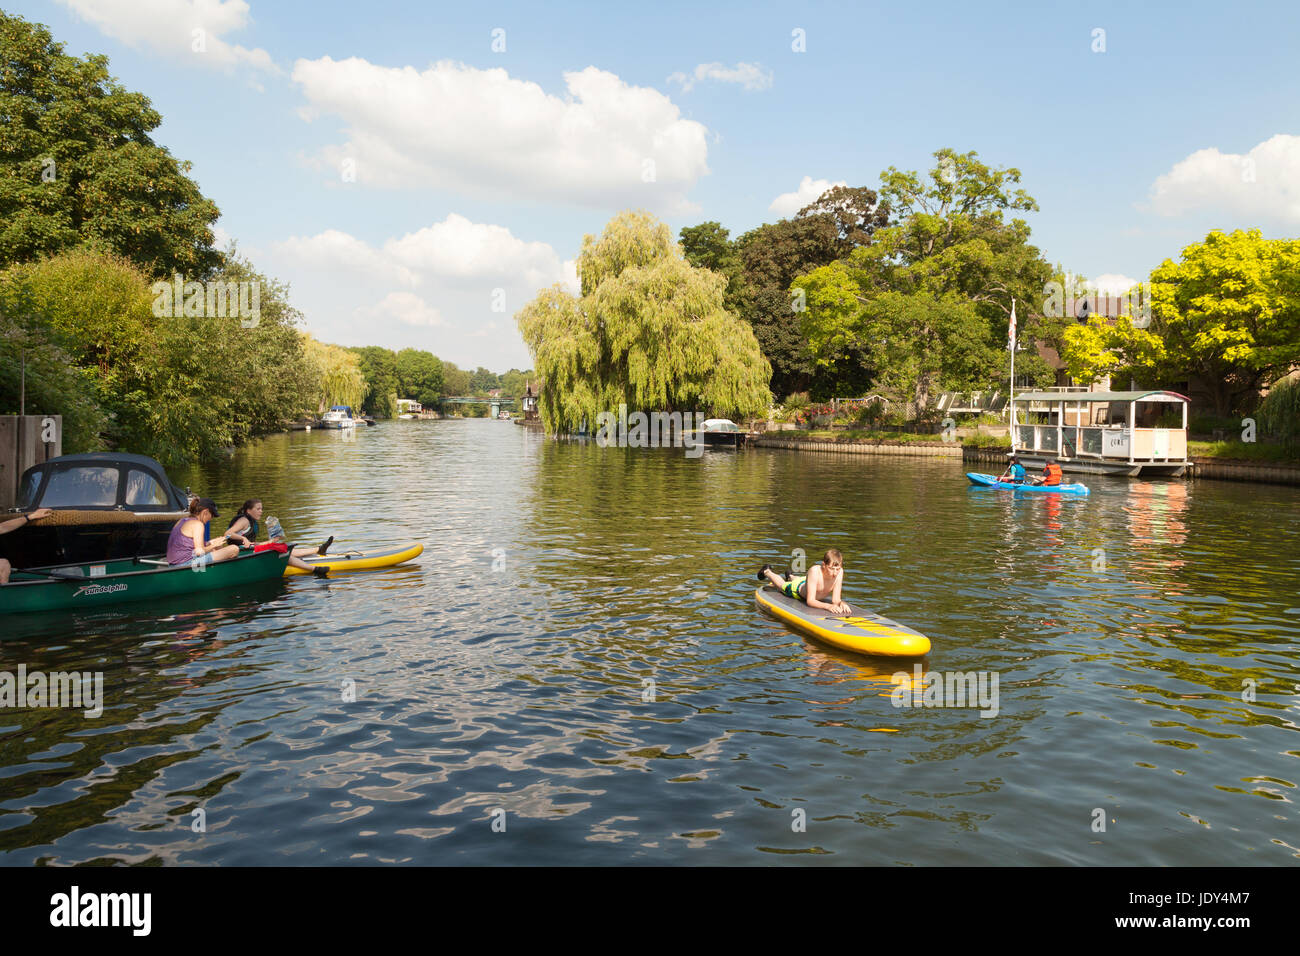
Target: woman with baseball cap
{"points": [[187, 542]]}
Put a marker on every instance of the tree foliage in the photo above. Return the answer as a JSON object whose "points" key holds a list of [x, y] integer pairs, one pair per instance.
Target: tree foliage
{"points": [[1227, 315], [77, 164], [649, 331], [928, 301], [419, 376], [177, 387], [336, 372]]}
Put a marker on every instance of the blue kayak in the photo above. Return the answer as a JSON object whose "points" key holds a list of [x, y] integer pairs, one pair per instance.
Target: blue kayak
{"points": [[991, 481]]}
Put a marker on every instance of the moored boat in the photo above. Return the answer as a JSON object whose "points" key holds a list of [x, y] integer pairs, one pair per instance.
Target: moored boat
{"points": [[91, 585], [340, 416], [107, 505]]}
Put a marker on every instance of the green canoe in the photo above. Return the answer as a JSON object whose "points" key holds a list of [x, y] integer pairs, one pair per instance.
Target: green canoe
{"points": [[78, 586]]}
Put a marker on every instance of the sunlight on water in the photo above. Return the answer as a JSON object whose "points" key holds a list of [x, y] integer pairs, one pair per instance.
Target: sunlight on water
{"points": [[575, 670]]}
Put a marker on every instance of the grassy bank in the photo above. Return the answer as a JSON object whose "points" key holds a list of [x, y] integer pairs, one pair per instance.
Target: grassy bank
{"points": [[1243, 451], [883, 436]]}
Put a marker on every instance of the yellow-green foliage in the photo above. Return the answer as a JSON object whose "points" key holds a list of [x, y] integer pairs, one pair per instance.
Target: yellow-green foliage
{"points": [[649, 331], [337, 375], [1227, 314]]}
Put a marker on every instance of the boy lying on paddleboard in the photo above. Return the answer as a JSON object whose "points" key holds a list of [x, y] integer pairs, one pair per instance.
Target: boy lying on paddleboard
{"points": [[820, 587]]}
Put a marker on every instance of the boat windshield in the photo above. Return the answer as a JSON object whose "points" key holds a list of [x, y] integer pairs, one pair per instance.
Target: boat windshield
{"points": [[143, 488], [90, 486]]}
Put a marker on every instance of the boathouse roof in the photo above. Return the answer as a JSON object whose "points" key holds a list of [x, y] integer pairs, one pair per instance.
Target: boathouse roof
{"points": [[1156, 395]]}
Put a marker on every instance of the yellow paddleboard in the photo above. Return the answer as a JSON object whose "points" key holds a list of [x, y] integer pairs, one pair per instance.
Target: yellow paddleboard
{"points": [[861, 632], [360, 560]]}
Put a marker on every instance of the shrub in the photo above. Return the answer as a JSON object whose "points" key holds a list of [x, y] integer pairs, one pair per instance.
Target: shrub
{"points": [[1279, 413]]}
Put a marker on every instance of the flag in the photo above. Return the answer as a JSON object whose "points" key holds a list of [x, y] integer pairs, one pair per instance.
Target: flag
{"points": [[1011, 331]]}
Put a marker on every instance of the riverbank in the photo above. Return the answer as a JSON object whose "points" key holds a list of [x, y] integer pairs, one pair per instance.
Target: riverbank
{"points": [[1211, 467]]}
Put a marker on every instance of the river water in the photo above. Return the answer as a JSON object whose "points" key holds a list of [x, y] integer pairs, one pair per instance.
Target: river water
{"points": [[574, 671]]}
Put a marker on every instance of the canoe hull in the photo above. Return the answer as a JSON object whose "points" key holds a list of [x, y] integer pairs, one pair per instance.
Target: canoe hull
{"points": [[861, 632], [119, 582], [991, 481], [366, 561]]}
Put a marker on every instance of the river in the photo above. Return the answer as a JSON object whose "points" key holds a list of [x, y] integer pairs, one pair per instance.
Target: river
{"points": [[575, 672]]}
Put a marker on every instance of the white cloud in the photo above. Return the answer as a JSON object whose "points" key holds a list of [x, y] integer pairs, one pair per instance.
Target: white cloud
{"points": [[1112, 283], [452, 287], [405, 307], [340, 252], [750, 76], [454, 250], [1261, 184], [168, 27], [456, 127], [787, 204]]}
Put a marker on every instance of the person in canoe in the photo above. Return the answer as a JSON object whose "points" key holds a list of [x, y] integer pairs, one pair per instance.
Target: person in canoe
{"points": [[820, 587], [1015, 472], [188, 544], [1051, 473], [246, 522], [13, 524]]}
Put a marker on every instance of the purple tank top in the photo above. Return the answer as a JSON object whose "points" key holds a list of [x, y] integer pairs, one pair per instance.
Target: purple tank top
{"points": [[180, 547]]}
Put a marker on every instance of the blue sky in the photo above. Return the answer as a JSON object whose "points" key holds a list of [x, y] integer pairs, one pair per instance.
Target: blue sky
{"points": [[475, 172]]}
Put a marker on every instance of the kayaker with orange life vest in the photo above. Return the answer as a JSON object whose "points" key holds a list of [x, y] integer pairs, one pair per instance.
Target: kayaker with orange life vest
{"points": [[1051, 473]]}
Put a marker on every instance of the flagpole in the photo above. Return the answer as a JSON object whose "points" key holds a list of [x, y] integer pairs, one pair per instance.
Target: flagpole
{"points": [[1011, 401]]}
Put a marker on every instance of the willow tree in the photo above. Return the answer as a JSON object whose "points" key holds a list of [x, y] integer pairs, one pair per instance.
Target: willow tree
{"points": [[338, 374], [649, 331]]}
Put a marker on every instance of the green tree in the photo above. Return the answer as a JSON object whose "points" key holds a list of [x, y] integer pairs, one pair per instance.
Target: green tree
{"points": [[649, 331], [336, 373], [929, 300], [177, 385], [773, 256], [483, 381], [455, 380], [1229, 314], [419, 375], [77, 164], [379, 368], [707, 246]]}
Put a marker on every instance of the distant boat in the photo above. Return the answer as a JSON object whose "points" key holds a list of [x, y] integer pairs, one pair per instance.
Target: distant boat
{"points": [[340, 416], [722, 431]]}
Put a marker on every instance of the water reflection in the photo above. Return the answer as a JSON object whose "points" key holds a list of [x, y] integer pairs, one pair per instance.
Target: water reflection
{"points": [[578, 649]]}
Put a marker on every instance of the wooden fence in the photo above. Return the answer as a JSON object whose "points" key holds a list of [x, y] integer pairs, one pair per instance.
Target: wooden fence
{"points": [[25, 440]]}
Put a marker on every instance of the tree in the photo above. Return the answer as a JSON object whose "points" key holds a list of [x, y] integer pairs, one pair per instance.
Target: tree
{"points": [[455, 381], [77, 165], [707, 246], [379, 368], [929, 300], [483, 381], [176, 385], [773, 256], [649, 331], [1229, 314], [337, 375], [419, 376]]}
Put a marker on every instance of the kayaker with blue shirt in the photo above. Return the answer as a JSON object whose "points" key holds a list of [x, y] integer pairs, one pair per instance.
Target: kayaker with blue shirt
{"points": [[1015, 472]]}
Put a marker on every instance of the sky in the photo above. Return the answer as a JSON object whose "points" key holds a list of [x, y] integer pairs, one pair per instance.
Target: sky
{"points": [[417, 172]]}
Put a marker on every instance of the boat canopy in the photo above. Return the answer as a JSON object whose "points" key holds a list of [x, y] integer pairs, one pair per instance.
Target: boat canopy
{"points": [[100, 481], [341, 408], [1150, 396]]}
